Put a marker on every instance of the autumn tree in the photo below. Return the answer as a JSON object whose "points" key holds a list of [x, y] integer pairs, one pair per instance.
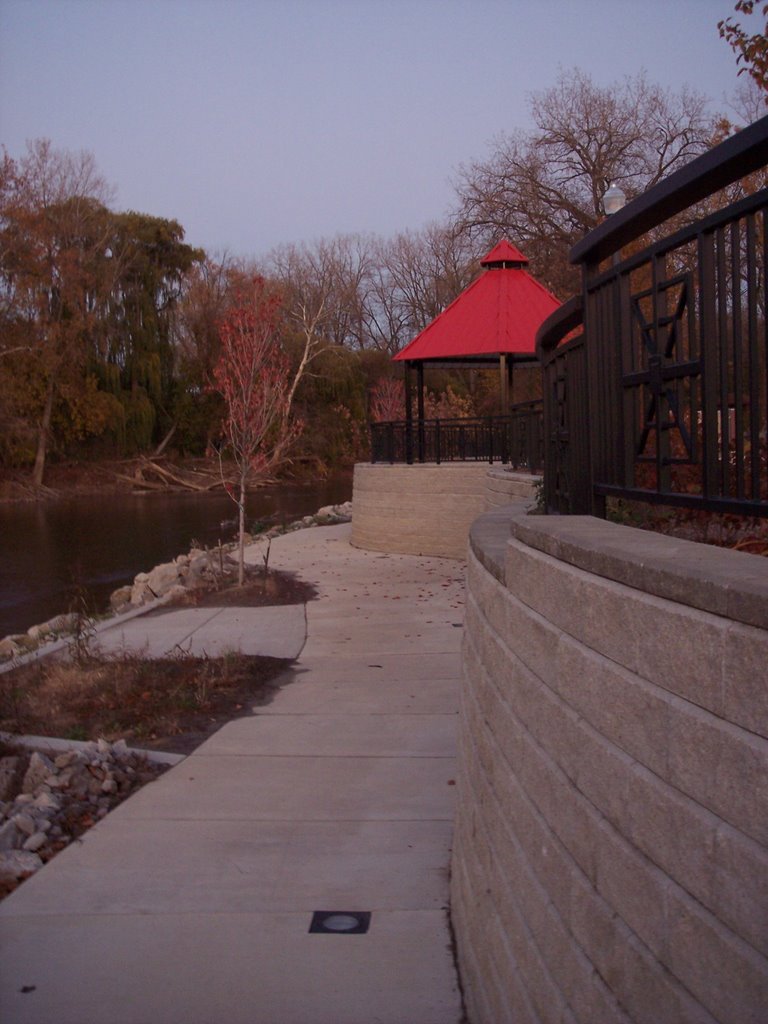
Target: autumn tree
{"points": [[544, 188], [55, 238], [139, 366], [210, 288], [388, 402], [253, 375], [751, 49], [87, 300]]}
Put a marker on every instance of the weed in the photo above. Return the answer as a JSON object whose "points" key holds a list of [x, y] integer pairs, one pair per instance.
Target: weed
{"points": [[179, 653], [265, 557], [81, 641], [539, 507], [13, 703]]}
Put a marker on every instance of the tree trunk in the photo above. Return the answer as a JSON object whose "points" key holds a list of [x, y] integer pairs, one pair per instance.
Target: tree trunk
{"points": [[42, 437], [164, 443], [241, 542]]}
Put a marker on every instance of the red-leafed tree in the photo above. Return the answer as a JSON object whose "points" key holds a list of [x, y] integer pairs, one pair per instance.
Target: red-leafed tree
{"points": [[387, 400], [253, 375], [751, 50]]}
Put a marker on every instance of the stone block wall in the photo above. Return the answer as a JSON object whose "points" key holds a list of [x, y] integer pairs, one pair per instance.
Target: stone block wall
{"points": [[503, 486], [427, 509], [611, 851]]}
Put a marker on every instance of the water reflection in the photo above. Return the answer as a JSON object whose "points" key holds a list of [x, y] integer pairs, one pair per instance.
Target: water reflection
{"points": [[100, 542]]}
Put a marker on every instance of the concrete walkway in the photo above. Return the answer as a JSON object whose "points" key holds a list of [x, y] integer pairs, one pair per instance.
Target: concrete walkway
{"points": [[191, 903]]}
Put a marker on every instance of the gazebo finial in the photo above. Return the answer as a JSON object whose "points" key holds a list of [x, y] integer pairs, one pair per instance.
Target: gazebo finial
{"points": [[504, 256]]}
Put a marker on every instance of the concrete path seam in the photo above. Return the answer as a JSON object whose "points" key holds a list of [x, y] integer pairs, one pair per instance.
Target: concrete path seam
{"points": [[215, 612]]}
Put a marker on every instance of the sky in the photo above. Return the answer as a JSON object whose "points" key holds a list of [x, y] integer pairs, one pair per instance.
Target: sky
{"points": [[261, 122]]}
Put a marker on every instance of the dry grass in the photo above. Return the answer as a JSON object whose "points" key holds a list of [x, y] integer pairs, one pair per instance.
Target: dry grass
{"points": [[721, 529], [169, 704]]}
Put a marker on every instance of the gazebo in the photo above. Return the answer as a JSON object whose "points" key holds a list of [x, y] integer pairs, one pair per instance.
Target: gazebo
{"points": [[492, 322]]}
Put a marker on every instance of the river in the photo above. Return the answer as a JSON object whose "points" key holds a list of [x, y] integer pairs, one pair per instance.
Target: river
{"points": [[99, 542]]}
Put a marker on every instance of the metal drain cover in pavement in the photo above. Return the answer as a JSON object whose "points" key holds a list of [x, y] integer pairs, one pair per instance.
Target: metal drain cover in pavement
{"points": [[340, 922]]}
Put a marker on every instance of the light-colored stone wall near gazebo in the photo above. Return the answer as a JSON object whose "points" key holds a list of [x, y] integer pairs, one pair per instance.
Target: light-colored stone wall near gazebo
{"points": [[427, 509], [610, 858], [503, 486]]}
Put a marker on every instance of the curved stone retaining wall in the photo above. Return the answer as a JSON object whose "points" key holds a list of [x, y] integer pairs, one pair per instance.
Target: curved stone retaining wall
{"points": [[503, 486], [427, 509], [610, 859]]}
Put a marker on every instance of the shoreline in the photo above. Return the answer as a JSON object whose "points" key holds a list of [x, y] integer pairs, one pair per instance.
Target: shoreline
{"points": [[83, 479], [41, 639]]}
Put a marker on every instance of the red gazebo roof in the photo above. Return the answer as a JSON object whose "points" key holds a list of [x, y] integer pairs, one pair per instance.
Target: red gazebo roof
{"points": [[499, 312]]}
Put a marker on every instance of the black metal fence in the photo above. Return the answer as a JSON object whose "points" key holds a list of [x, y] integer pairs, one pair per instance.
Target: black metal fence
{"points": [[515, 440], [664, 396]]}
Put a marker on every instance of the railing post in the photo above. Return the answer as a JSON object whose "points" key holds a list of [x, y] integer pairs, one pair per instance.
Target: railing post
{"points": [[590, 437], [708, 341], [516, 437], [627, 414], [655, 363], [537, 444]]}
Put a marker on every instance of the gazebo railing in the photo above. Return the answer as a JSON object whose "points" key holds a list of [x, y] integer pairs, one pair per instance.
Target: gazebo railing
{"points": [[515, 440]]}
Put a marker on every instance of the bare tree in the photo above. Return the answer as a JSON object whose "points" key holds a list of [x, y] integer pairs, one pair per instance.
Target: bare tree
{"points": [[308, 281], [416, 275], [325, 285], [358, 292], [543, 188]]}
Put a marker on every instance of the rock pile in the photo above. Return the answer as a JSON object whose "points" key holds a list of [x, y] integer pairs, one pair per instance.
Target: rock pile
{"points": [[172, 579], [16, 644], [205, 568], [47, 801], [328, 515]]}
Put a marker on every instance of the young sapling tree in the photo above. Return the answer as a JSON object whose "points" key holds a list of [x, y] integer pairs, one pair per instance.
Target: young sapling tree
{"points": [[254, 377]]}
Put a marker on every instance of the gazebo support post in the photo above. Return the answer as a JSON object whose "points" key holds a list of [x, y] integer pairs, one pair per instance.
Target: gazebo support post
{"points": [[506, 370], [408, 415], [420, 408]]}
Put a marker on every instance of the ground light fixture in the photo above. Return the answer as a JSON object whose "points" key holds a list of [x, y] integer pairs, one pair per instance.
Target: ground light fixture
{"points": [[340, 922], [614, 199]]}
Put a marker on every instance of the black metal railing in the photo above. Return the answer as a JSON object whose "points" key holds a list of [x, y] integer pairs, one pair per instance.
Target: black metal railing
{"points": [[514, 440], [664, 396]]}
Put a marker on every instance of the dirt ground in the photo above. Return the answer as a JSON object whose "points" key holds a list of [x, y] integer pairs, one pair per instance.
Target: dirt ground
{"points": [[258, 591], [169, 704]]}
